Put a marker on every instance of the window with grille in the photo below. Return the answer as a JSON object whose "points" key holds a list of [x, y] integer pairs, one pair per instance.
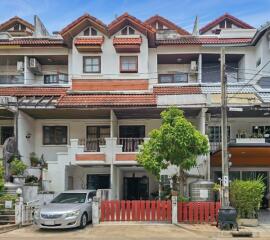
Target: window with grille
{"points": [[128, 64], [91, 64], [6, 132], [54, 135], [214, 134]]}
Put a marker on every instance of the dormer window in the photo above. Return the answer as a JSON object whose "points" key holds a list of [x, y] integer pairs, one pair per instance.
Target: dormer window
{"points": [[127, 31], [90, 32], [19, 27]]}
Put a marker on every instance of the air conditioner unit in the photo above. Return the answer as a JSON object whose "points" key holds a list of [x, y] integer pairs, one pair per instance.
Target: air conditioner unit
{"points": [[193, 65], [35, 66], [20, 66]]}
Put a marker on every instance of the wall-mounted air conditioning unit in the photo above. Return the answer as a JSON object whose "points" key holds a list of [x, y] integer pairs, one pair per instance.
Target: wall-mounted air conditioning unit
{"points": [[35, 66], [20, 66], [193, 66]]}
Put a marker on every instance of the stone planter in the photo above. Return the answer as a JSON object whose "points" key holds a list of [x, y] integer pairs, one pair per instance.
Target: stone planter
{"points": [[248, 222], [20, 180]]}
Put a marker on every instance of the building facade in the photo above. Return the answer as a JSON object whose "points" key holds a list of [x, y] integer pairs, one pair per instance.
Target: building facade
{"points": [[86, 98]]}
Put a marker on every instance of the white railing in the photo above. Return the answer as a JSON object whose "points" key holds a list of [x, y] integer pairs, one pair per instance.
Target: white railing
{"points": [[130, 144]]}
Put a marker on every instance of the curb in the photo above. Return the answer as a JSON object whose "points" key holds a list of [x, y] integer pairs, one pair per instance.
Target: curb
{"points": [[8, 228]]}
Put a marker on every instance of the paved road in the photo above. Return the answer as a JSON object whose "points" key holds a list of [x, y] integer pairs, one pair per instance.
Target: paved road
{"points": [[108, 232]]}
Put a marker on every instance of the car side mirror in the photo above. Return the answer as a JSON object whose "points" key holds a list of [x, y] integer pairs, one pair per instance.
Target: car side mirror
{"points": [[90, 200]]}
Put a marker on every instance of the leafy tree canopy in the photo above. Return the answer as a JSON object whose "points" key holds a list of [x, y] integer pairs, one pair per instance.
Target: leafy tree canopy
{"points": [[176, 142]]}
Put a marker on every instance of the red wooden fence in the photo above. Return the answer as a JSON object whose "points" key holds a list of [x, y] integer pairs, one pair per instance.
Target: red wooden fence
{"points": [[197, 212], [137, 210]]}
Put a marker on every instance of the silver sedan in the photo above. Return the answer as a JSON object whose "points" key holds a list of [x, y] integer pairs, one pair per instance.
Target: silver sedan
{"points": [[69, 209]]}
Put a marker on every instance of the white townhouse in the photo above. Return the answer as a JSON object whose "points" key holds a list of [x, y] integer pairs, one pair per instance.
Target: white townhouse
{"points": [[89, 95]]}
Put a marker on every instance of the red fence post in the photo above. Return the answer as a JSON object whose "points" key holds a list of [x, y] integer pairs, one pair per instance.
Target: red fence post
{"points": [[117, 210], [212, 212], [196, 212], [138, 210], [123, 211], [102, 211], [206, 212], [201, 212], [169, 211], [147, 206], [107, 210], [190, 212], [133, 205], [112, 210], [158, 210], [180, 211], [142, 210], [128, 210], [185, 212], [153, 210]]}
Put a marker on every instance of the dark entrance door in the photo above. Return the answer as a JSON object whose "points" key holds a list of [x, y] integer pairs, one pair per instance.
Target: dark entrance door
{"points": [[136, 188]]}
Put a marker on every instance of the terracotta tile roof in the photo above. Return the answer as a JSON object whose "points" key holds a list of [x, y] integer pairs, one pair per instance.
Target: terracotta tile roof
{"points": [[130, 18], [86, 16], [170, 25], [175, 90], [32, 91], [33, 42], [233, 19], [107, 100], [12, 21], [89, 41], [127, 41], [203, 40]]}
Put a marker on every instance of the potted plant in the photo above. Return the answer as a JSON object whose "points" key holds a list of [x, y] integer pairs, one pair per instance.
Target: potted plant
{"points": [[246, 197], [34, 159], [17, 168], [31, 180]]}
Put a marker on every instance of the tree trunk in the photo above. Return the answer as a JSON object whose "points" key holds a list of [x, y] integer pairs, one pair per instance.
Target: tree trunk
{"points": [[182, 182]]}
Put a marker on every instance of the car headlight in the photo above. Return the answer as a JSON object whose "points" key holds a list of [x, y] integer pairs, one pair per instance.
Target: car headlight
{"points": [[73, 214]]}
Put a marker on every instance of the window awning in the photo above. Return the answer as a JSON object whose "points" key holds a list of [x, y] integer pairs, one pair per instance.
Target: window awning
{"points": [[89, 44], [127, 44]]}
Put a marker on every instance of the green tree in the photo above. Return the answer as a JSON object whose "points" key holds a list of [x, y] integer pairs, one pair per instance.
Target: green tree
{"points": [[176, 142], [1, 178]]}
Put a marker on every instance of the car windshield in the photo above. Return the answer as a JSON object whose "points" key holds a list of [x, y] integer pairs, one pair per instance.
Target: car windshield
{"points": [[70, 198]]}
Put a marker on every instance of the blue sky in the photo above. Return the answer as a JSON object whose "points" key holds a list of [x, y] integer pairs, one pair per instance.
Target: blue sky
{"points": [[56, 14]]}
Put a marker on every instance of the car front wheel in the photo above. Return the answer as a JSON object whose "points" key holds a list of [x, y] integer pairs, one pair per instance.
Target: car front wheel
{"points": [[84, 220]]}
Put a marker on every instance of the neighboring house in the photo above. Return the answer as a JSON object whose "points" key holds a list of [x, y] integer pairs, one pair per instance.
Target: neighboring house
{"points": [[89, 95]]}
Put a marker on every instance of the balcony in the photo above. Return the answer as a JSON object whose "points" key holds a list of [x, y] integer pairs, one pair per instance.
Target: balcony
{"points": [[93, 144], [130, 144]]}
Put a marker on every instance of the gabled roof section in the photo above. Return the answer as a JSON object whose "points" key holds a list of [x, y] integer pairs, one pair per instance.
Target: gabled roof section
{"points": [[170, 25], [140, 26], [226, 16], [72, 29], [12, 21]]}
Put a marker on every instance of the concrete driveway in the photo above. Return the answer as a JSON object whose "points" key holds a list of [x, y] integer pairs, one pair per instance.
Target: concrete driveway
{"points": [[108, 232]]}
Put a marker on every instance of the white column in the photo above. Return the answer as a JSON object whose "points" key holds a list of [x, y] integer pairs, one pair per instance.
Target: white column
{"points": [[18, 211], [95, 211], [202, 120], [114, 125], [174, 210]]}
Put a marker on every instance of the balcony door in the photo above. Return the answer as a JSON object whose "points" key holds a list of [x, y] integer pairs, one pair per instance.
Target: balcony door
{"points": [[95, 136]]}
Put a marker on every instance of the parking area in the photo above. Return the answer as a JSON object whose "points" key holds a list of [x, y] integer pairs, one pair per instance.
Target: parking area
{"points": [[103, 231]]}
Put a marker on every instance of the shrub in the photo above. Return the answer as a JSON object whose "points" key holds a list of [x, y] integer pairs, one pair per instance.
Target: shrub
{"points": [[34, 159], [246, 197], [31, 179], [1, 179], [17, 167]]}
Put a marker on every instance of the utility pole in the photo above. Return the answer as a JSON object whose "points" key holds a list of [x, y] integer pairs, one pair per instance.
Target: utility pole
{"points": [[224, 131]]}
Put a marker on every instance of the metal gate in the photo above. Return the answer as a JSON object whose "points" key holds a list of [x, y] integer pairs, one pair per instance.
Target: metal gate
{"points": [[27, 215], [7, 214], [136, 210]]}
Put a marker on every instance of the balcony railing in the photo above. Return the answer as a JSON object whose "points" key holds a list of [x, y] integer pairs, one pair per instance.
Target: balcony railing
{"points": [[92, 144], [130, 144], [11, 79]]}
